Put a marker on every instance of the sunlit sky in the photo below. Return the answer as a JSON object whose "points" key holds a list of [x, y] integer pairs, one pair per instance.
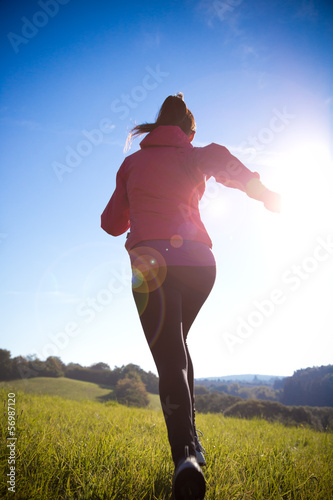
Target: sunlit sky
{"points": [[75, 77]]}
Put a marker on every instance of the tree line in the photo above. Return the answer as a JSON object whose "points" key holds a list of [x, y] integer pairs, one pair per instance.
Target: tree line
{"points": [[130, 383], [311, 386], [98, 373], [306, 387]]}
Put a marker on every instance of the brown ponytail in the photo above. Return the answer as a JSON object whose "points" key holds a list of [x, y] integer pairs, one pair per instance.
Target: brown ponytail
{"points": [[173, 112]]}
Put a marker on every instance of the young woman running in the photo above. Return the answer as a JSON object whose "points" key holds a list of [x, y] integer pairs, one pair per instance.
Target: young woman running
{"points": [[158, 190]]}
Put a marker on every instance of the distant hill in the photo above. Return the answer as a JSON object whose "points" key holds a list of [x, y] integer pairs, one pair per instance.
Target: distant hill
{"points": [[249, 378], [311, 386]]}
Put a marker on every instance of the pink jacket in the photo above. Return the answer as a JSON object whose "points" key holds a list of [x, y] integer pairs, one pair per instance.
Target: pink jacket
{"points": [[159, 187]]}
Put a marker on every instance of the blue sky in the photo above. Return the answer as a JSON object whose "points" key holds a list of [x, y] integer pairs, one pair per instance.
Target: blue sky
{"points": [[75, 77]]}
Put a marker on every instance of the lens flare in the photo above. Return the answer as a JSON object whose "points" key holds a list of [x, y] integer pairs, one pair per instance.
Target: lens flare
{"points": [[148, 269], [148, 274], [176, 241]]}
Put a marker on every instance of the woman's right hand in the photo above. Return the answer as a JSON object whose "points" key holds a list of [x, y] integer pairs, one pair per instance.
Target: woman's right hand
{"points": [[272, 201]]}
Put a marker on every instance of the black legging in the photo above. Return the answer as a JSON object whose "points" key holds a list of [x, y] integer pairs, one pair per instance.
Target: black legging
{"points": [[167, 314]]}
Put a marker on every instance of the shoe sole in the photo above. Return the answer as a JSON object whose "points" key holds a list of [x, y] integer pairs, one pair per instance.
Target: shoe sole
{"points": [[189, 485]]}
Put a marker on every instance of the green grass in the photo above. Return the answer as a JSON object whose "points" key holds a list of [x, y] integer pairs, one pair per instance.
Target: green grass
{"points": [[89, 450]]}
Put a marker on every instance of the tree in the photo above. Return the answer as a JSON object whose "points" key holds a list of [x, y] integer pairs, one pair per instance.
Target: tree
{"points": [[151, 382], [200, 389], [327, 389], [100, 366], [234, 389], [131, 391], [214, 402], [5, 365], [53, 367], [22, 368]]}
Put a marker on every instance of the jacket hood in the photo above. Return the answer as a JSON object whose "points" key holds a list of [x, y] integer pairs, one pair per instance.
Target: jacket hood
{"points": [[166, 135]]}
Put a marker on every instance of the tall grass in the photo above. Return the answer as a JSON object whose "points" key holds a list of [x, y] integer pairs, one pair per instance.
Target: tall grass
{"points": [[91, 451]]}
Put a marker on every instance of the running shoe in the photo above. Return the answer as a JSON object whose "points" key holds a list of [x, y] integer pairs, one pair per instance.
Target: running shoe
{"points": [[199, 449], [188, 480]]}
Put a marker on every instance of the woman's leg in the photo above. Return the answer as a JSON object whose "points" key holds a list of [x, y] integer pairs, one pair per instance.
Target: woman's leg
{"points": [[191, 306], [168, 313], [161, 322]]}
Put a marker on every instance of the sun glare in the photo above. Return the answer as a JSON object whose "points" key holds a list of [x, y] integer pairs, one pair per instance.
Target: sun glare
{"points": [[306, 193], [307, 203], [217, 207]]}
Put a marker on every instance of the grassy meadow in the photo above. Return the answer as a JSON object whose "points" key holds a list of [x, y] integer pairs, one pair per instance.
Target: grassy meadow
{"points": [[72, 446]]}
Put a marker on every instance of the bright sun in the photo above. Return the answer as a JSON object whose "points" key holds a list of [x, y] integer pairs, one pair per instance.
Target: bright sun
{"points": [[303, 174], [305, 182]]}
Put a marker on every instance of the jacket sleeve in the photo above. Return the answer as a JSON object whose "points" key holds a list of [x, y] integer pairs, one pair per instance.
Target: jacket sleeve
{"points": [[217, 161], [115, 218]]}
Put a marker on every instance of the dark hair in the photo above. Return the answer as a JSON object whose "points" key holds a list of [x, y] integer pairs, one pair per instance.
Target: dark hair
{"points": [[173, 112]]}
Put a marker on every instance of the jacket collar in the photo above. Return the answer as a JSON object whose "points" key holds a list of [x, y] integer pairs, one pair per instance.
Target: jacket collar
{"points": [[166, 135]]}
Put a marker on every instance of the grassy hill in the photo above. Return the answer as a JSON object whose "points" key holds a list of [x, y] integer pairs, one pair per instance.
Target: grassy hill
{"points": [[66, 388], [86, 450]]}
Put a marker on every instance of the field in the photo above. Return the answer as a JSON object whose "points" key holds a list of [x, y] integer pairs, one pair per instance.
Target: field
{"points": [[71, 446]]}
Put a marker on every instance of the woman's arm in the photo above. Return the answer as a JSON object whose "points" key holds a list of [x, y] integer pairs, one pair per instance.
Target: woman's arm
{"points": [[115, 218], [217, 161], [255, 189]]}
